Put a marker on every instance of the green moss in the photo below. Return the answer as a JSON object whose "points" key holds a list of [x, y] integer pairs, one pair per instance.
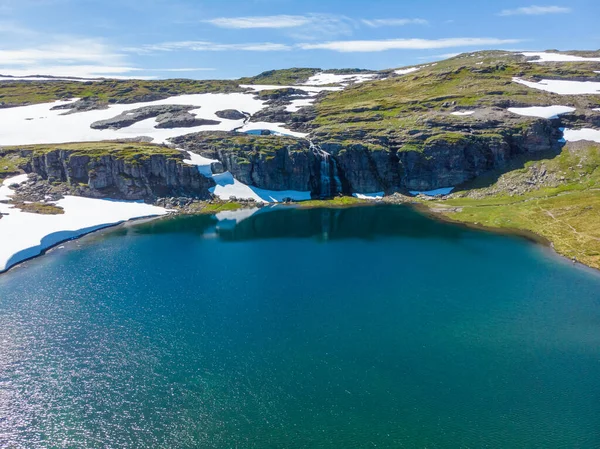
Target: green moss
{"points": [[131, 153], [39, 208], [108, 91], [339, 201], [281, 77]]}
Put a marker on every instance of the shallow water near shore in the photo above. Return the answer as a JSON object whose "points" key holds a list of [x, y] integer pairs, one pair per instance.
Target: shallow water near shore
{"points": [[360, 327]]}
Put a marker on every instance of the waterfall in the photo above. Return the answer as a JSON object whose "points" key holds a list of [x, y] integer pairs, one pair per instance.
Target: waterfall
{"points": [[329, 182]]}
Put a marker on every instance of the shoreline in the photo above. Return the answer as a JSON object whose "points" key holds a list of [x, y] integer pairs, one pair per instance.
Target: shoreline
{"points": [[98, 231], [422, 208], [530, 236]]}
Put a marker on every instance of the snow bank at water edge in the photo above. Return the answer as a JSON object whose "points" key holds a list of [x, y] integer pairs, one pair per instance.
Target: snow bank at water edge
{"points": [[549, 112], [406, 71], [227, 186], [575, 135], [563, 87], [38, 124], [463, 113], [331, 78], [24, 235], [557, 57], [369, 196], [436, 192]]}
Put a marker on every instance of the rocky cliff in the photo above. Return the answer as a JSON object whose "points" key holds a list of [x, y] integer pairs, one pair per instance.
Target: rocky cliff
{"points": [[121, 174], [441, 160]]}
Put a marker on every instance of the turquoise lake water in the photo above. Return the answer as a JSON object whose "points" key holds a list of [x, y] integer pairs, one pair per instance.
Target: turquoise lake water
{"points": [[355, 328]]}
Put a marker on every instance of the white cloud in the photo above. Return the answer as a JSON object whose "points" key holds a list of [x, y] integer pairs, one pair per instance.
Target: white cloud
{"points": [[405, 44], [65, 56], [207, 46], [281, 21], [376, 23], [76, 71], [184, 69], [535, 11]]}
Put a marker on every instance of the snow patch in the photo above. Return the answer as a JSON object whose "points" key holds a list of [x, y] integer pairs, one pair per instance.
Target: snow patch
{"points": [[331, 78], [38, 124], [563, 87], [463, 113], [25, 235], [298, 104], [557, 57], [406, 71], [436, 192], [368, 196], [575, 135], [277, 128], [549, 112], [227, 186], [309, 89]]}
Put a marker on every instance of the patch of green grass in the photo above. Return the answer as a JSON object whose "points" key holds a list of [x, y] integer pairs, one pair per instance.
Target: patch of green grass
{"points": [[338, 201], [214, 208], [39, 208], [281, 77], [568, 215], [10, 163], [128, 151], [17, 93]]}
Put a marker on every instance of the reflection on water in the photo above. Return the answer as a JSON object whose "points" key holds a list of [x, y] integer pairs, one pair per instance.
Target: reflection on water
{"points": [[327, 224], [288, 328]]}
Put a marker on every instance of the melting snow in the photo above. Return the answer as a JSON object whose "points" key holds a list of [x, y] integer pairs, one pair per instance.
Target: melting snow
{"points": [[227, 186], [563, 87], [24, 235], [557, 57], [321, 79], [436, 192], [368, 196], [277, 128], [38, 124], [406, 71], [575, 135], [463, 113], [549, 112], [309, 89]]}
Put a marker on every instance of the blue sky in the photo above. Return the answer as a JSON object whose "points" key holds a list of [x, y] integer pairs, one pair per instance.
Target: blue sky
{"points": [[228, 39]]}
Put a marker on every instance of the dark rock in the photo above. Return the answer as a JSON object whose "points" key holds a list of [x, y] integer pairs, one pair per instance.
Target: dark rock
{"points": [[217, 168], [231, 114], [170, 115], [182, 120], [156, 175]]}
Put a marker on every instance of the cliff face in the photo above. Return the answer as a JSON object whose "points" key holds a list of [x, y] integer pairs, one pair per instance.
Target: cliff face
{"points": [[442, 160], [114, 176]]}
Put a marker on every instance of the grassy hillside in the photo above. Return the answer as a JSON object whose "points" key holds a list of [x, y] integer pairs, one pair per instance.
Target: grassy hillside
{"points": [[17, 93], [558, 199], [402, 106]]}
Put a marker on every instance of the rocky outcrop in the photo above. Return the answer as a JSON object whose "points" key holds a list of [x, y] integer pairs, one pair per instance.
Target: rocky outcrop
{"points": [[117, 176], [428, 162], [81, 105], [231, 114], [167, 116], [269, 162]]}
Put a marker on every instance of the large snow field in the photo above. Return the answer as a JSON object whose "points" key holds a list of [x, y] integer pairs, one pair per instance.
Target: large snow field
{"points": [[25, 235]]}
